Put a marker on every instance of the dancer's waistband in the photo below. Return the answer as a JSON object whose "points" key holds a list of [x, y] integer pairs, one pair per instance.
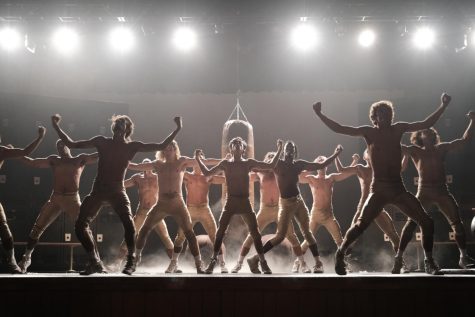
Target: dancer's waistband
{"points": [[56, 193], [432, 186], [108, 187], [203, 205], [169, 196], [383, 185], [290, 199]]}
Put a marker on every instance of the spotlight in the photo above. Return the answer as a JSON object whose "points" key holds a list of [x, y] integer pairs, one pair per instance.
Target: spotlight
{"points": [[121, 39], [304, 37], [184, 39], [65, 40], [10, 39], [424, 38], [367, 38]]}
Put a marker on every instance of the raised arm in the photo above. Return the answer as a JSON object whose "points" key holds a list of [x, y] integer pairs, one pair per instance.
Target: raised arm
{"points": [[11, 152], [337, 127], [130, 182], [430, 120], [90, 158], [191, 162], [467, 136], [218, 179], [259, 165], [207, 172], [82, 144], [43, 162], [338, 177], [153, 147], [304, 177], [313, 166], [352, 169], [150, 166]]}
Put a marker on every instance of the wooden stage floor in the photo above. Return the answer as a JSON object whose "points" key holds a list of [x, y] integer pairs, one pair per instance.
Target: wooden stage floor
{"points": [[357, 294]]}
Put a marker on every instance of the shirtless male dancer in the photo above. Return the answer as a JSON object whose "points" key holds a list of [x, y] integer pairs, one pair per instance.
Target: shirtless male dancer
{"points": [[170, 167], [428, 155], [268, 213], [9, 152], [365, 176], [236, 171], [114, 157], [291, 203], [384, 148], [321, 214], [147, 186], [197, 189], [67, 170]]}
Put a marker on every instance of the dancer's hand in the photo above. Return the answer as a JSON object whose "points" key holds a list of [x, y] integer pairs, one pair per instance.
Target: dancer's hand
{"points": [[338, 149], [41, 131], [280, 144], [179, 122], [471, 115], [356, 157], [317, 107], [445, 98], [56, 119], [199, 153]]}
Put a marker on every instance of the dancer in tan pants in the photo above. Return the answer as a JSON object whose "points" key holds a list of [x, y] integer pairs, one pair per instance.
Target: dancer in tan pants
{"points": [[67, 170]]}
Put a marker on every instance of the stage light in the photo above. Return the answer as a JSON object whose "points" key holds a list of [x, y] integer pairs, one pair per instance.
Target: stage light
{"points": [[66, 41], [367, 38], [185, 39], [304, 37], [121, 39], [10, 39], [472, 42], [424, 38]]}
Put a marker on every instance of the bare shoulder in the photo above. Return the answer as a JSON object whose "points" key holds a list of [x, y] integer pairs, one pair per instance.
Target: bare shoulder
{"points": [[53, 159]]}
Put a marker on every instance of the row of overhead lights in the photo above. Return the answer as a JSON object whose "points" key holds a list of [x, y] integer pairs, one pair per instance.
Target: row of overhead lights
{"points": [[304, 37]]}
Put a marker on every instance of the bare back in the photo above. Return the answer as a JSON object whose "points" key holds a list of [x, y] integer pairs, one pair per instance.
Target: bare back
{"points": [[114, 158], [268, 188], [384, 149], [430, 164]]}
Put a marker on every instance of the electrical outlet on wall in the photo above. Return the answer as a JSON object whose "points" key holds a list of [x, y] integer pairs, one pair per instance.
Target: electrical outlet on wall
{"points": [[418, 236]]}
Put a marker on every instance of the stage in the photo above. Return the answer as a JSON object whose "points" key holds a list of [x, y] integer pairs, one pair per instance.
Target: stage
{"points": [[143, 294]]}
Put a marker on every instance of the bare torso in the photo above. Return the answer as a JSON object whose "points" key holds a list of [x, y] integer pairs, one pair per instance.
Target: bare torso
{"points": [[287, 174], [66, 173], [237, 177], [170, 176], [322, 191], [148, 189], [197, 188], [365, 177], [268, 188], [114, 158], [384, 149], [430, 164]]}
